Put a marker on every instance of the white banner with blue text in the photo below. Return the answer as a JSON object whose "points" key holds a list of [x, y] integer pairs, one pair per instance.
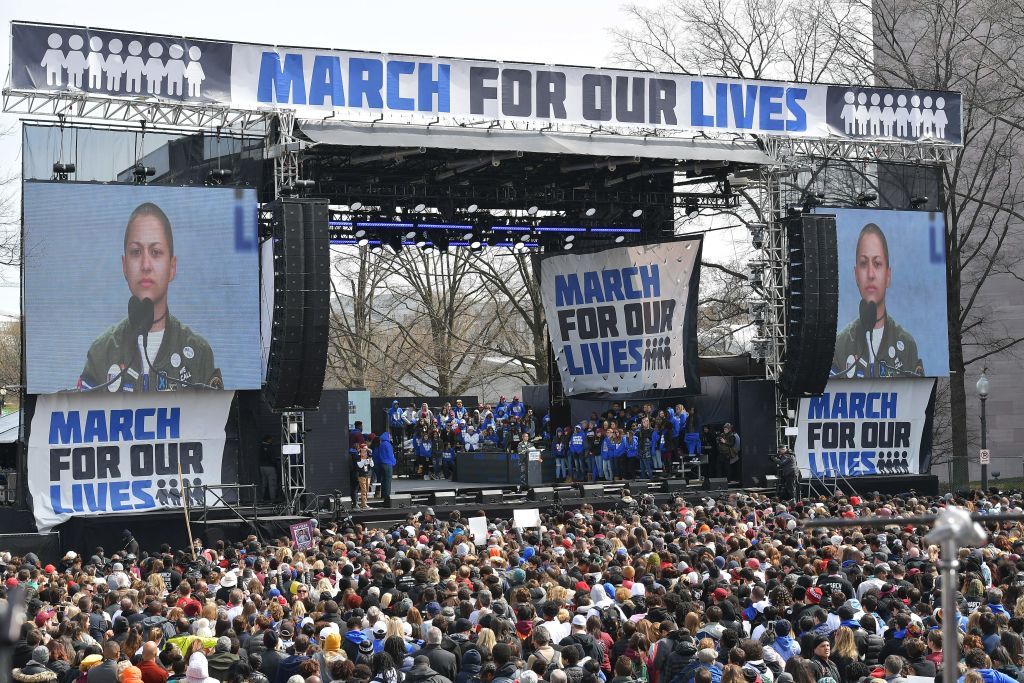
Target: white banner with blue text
{"points": [[863, 427], [396, 88], [622, 321], [98, 453]]}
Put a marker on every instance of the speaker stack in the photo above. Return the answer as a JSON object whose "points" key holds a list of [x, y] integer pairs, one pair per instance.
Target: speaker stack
{"points": [[812, 304], [298, 344]]}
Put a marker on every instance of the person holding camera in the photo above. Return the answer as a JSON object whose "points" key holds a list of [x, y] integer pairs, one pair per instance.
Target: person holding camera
{"points": [[789, 474]]}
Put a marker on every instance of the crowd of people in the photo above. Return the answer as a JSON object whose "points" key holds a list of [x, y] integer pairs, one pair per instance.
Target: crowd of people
{"points": [[639, 441], [692, 591]]}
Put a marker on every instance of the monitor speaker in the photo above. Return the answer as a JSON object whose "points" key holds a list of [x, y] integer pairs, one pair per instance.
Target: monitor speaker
{"points": [[812, 304], [301, 317]]}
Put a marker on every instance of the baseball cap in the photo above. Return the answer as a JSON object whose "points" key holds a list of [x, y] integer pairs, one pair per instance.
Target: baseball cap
{"points": [[720, 594], [43, 617], [579, 620]]}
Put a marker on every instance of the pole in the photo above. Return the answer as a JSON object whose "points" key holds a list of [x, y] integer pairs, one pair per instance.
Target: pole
{"points": [[188, 520], [984, 445], [948, 565]]}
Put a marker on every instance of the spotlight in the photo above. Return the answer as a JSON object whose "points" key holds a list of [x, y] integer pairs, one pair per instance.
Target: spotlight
{"points": [[533, 210], [619, 239], [567, 246], [918, 202], [570, 238], [812, 199], [142, 173], [355, 206], [866, 198], [61, 171], [472, 208], [476, 245], [636, 212], [363, 241], [376, 247], [467, 236], [395, 242], [590, 211], [410, 235], [360, 233], [219, 175], [419, 208], [421, 241]]}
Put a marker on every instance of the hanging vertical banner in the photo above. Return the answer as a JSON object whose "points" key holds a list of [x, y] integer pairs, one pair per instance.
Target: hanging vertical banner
{"points": [[863, 427], [623, 321], [90, 454]]}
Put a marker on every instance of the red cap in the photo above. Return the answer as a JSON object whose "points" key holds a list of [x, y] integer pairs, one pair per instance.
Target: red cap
{"points": [[582, 586], [855, 500], [11, 582], [566, 542], [50, 569], [720, 594], [43, 617], [814, 595]]}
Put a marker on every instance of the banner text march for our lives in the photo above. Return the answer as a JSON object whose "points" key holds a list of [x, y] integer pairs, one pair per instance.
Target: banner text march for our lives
{"points": [[102, 453], [617, 318], [864, 427]]}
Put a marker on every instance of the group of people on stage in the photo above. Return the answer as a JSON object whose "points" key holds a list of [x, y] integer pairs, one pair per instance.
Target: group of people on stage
{"points": [[640, 441]]}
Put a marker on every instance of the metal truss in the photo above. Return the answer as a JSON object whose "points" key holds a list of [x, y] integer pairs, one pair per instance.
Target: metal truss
{"points": [[785, 150], [153, 112]]}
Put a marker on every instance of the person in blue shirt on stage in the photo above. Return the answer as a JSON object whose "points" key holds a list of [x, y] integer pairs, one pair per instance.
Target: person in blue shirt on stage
{"points": [[396, 421], [460, 410], [630, 462], [501, 409], [384, 457], [577, 454], [423, 447], [618, 453], [607, 453], [516, 408]]}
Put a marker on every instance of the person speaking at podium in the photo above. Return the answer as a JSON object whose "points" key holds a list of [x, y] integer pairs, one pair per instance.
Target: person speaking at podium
{"points": [[150, 350], [874, 345]]}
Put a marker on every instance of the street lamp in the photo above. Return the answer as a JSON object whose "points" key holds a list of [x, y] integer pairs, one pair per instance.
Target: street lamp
{"points": [[3, 399], [982, 388]]}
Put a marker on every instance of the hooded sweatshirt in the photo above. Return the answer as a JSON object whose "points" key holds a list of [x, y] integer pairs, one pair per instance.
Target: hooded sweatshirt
{"points": [[578, 441], [385, 453]]}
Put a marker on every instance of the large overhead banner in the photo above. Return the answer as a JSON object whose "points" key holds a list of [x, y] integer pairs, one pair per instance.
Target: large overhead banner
{"points": [[859, 428], [397, 88], [90, 454], [623, 321], [137, 288], [892, 294]]}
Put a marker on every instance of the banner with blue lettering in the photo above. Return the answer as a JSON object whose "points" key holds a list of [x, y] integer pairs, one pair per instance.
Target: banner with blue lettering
{"points": [[863, 427], [395, 88], [90, 454], [623, 321]]}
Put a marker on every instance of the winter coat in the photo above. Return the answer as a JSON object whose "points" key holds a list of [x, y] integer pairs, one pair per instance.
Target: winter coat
{"points": [[34, 672]]}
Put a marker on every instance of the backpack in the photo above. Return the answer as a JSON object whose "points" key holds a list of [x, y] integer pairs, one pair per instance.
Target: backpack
{"points": [[640, 671]]}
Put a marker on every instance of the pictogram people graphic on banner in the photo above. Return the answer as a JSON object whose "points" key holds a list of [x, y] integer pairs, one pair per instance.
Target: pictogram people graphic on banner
{"points": [[875, 116], [153, 73]]}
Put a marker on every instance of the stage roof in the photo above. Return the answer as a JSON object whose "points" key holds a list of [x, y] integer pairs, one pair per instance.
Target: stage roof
{"points": [[547, 142]]}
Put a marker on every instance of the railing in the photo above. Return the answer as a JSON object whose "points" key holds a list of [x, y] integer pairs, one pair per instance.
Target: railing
{"points": [[216, 490]]}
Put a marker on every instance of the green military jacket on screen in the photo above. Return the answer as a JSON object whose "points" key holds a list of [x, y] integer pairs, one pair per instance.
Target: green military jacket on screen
{"points": [[183, 361], [897, 354]]}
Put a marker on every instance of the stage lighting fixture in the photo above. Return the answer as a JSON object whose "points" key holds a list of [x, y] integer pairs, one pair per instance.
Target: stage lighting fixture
{"points": [[691, 206], [219, 175], [472, 208], [410, 235], [421, 241], [376, 247], [395, 242], [570, 238], [918, 202], [567, 245], [533, 210], [419, 208], [468, 236], [636, 212], [360, 233], [362, 241], [590, 211], [476, 245], [355, 206], [61, 171], [141, 173], [619, 239], [866, 198]]}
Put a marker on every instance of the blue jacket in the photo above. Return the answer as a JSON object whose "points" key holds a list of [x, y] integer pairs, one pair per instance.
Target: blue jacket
{"points": [[395, 415], [516, 409], [992, 676], [619, 449], [385, 453], [607, 449], [632, 446], [577, 442], [424, 448]]}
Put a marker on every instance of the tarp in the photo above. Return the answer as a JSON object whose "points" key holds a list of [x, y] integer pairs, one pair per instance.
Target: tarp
{"points": [[547, 142], [9, 427]]}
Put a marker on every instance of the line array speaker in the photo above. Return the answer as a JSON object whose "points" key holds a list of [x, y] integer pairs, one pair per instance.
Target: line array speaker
{"points": [[812, 304], [298, 343]]}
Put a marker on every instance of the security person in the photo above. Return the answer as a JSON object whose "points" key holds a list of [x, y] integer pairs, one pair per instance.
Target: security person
{"points": [[150, 350], [874, 345]]}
